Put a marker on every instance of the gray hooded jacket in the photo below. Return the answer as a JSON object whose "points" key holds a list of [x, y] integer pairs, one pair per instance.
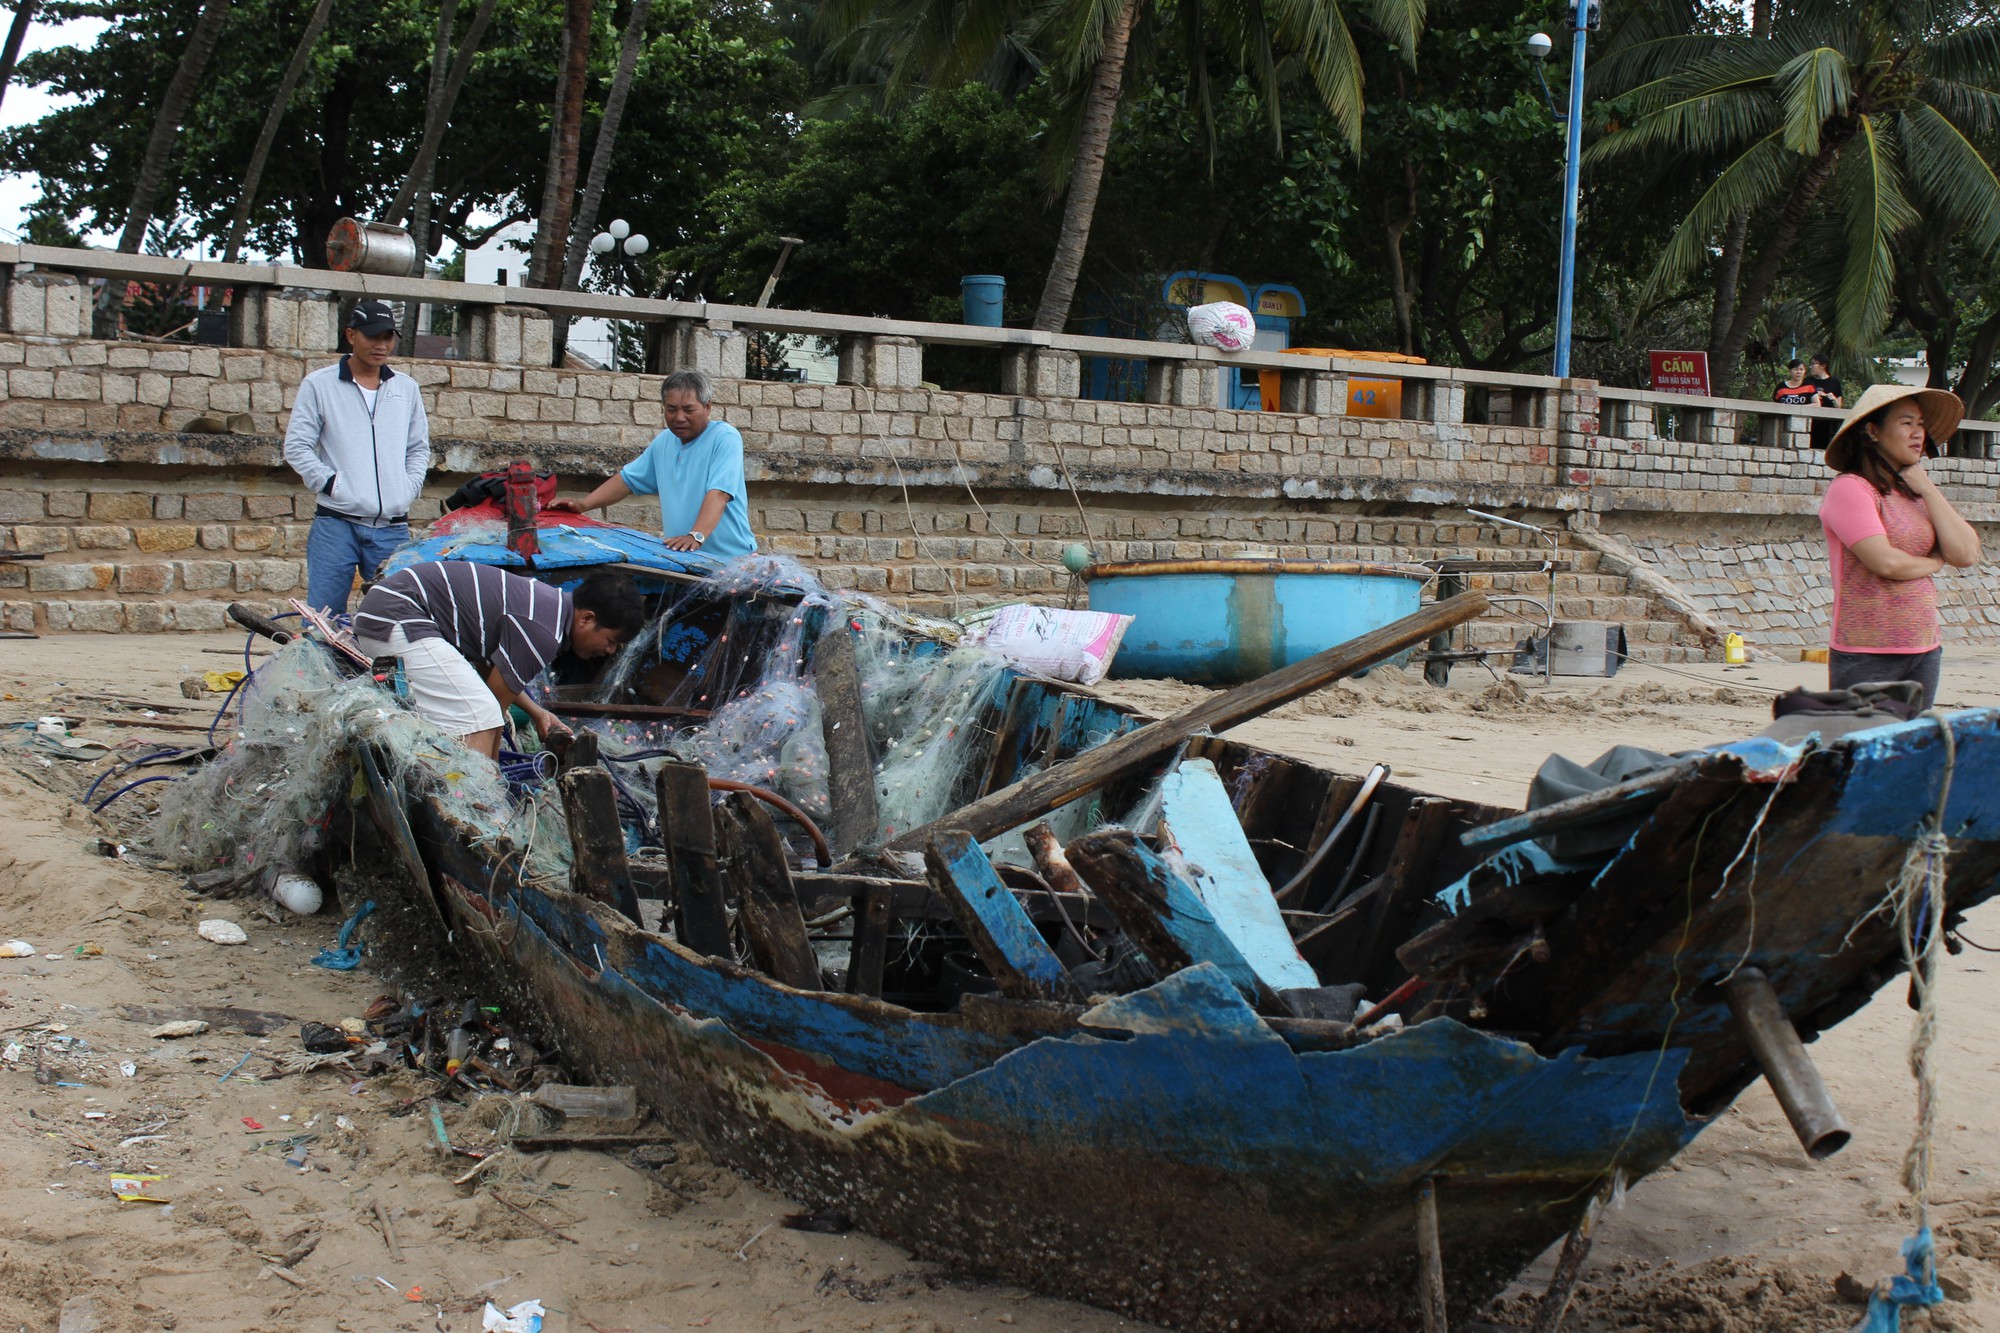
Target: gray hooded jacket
{"points": [[364, 466]]}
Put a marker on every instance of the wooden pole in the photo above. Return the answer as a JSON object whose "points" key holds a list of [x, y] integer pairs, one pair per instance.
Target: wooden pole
{"points": [[850, 762], [1430, 1278], [1064, 782], [688, 830]]}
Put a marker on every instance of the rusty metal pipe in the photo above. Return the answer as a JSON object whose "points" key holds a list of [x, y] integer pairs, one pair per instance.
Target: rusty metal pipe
{"points": [[1787, 1068]]}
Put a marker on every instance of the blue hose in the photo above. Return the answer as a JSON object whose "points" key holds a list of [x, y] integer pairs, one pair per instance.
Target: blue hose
{"points": [[119, 770], [162, 777]]}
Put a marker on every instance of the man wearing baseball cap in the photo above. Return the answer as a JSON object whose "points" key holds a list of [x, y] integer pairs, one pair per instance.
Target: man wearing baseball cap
{"points": [[359, 439]]}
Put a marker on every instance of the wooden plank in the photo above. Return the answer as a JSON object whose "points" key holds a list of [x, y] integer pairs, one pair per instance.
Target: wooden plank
{"points": [[874, 918], [997, 926], [687, 828], [850, 758], [1006, 759], [1224, 871], [1064, 782], [755, 861], [1161, 911], [1404, 879], [598, 868]]}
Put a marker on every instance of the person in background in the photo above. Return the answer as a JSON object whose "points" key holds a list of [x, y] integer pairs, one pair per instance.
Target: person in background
{"points": [[1795, 391], [1888, 530], [1832, 393], [695, 466], [441, 616], [360, 440]]}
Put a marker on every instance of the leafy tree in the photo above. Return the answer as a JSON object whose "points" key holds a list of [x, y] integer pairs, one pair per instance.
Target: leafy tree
{"points": [[1844, 127], [1085, 46], [711, 92]]}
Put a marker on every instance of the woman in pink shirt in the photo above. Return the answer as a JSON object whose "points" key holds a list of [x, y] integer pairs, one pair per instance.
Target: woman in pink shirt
{"points": [[1888, 530]]}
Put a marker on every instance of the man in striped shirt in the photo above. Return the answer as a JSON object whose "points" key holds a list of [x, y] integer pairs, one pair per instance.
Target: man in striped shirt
{"points": [[441, 616]]}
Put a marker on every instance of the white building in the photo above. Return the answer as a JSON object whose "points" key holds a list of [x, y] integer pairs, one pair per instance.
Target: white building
{"points": [[503, 261]]}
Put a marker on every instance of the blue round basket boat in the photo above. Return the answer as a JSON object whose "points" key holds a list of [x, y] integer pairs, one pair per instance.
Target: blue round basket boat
{"points": [[1226, 621]]}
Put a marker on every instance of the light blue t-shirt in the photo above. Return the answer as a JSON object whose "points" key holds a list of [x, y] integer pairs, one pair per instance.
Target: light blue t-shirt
{"points": [[682, 475]]}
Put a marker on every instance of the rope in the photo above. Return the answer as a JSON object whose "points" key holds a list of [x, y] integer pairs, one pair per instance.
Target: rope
{"points": [[1919, 895], [1918, 902]]}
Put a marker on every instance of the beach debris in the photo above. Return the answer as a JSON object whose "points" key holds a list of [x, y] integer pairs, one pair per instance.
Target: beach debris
{"points": [[320, 1039], [186, 1027], [17, 949], [251, 1022], [218, 931], [137, 1189], [345, 954], [297, 894], [251, 1123], [523, 1318], [382, 1220], [127, 1068], [602, 1111], [88, 949]]}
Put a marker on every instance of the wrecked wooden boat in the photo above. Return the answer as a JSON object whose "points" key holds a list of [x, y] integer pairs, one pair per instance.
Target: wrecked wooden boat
{"points": [[1156, 1020]]}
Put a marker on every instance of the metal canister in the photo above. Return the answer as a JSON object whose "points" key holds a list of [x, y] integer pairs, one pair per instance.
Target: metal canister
{"points": [[357, 246]]}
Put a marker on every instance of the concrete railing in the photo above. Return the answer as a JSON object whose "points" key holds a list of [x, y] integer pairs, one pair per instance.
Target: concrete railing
{"points": [[280, 307]]}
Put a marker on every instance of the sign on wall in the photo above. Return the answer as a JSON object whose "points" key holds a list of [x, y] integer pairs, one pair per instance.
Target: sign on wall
{"points": [[1680, 372]]}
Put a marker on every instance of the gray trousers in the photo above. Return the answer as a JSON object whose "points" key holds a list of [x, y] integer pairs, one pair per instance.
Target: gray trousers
{"points": [[1846, 670]]}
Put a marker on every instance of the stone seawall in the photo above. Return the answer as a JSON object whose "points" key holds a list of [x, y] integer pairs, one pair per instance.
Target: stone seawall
{"points": [[933, 497]]}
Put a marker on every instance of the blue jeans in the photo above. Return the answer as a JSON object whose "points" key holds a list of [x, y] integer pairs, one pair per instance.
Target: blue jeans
{"points": [[336, 549]]}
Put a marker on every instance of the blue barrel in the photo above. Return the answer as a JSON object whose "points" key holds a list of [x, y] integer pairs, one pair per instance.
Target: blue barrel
{"points": [[1217, 622], [982, 295]]}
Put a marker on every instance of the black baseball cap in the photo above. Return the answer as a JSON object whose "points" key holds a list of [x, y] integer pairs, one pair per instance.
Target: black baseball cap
{"points": [[372, 318]]}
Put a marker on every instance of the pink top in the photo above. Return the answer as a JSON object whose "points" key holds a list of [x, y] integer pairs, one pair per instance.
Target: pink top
{"points": [[1872, 614]]}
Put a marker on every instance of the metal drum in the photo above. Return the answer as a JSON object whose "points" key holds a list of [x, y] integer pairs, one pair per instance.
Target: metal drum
{"points": [[1227, 621], [354, 246]]}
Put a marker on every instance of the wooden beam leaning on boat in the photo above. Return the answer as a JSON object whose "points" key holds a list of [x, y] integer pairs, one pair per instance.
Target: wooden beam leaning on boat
{"points": [[440, 616]]}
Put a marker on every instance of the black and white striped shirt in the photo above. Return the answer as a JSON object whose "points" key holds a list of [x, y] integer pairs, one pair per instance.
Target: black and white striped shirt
{"points": [[516, 624]]}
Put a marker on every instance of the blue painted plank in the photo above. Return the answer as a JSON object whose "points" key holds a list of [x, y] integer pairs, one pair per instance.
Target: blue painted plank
{"points": [[1224, 871], [1153, 899], [994, 921]]}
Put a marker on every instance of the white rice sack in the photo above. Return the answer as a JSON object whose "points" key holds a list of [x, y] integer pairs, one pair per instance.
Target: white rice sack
{"points": [[1066, 645], [1222, 324]]}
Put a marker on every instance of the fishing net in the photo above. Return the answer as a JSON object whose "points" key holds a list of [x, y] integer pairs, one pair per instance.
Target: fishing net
{"points": [[265, 801], [736, 653]]}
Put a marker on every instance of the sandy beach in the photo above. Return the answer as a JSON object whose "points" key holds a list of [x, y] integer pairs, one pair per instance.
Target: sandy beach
{"points": [[269, 1211]]}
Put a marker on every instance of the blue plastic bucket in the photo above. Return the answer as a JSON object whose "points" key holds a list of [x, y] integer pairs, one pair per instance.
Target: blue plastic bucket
{"points": [[982, 296]]}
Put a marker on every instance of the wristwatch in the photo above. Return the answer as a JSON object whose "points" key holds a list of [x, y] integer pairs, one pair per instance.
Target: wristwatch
{"points": [[698, 535]]}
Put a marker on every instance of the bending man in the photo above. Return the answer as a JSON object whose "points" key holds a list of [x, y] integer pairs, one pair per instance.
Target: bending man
{"points": [[695, 466], [441, 616]]}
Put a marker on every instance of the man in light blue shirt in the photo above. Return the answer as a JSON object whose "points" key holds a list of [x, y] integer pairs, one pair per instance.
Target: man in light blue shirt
{"points": [[695, 466]]}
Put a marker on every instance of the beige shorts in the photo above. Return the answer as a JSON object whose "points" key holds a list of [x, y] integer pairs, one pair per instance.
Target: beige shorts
{"points": [[443, 686]]}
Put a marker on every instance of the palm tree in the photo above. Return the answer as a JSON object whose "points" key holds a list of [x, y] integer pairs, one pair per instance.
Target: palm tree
{"points": [[600, 159], [437, 114], [607, 141], [1846, 125], [239, 221], [1086, 44], [17, 33], [565, 148], [167, 122]]}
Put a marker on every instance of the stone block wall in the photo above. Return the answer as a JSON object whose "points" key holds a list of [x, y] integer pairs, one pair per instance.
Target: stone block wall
{"points": [[938, 498]]}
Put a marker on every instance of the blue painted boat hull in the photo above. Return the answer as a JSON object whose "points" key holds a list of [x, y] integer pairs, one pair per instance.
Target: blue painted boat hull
{"points": [[1227, 625]]}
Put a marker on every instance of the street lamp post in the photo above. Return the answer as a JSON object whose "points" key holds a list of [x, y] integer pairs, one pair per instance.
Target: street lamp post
{"points": [[619, 238], [1584, 18]]}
